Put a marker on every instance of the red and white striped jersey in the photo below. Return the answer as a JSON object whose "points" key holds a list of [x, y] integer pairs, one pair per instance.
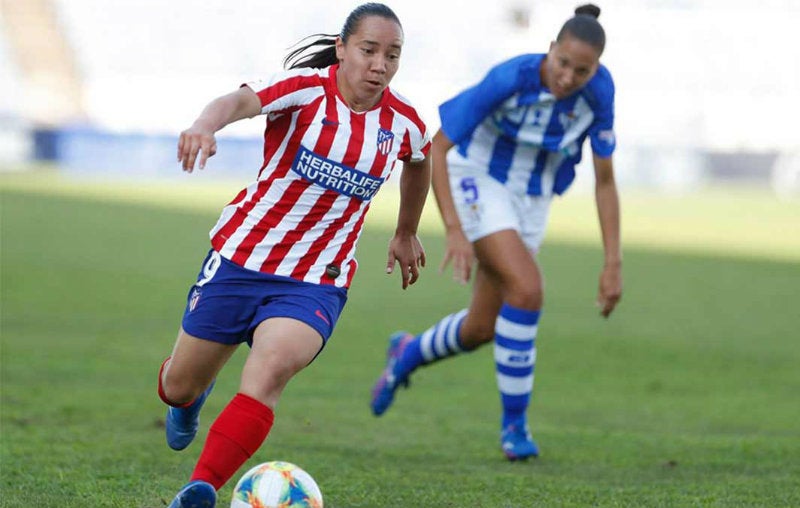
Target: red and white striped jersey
{"points": [[323, 163]]}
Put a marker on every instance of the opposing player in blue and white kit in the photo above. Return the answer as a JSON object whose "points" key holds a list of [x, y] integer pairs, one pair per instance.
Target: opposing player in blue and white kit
{"points": [[283, 250], [506, 147]]}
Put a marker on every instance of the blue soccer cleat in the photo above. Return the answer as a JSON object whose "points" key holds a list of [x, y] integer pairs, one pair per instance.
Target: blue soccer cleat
{"points": [[182, 422], [392, 377], [517, 442], [196, 494]]}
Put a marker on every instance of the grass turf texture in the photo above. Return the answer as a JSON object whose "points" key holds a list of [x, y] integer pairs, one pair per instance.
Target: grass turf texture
{"points": [[687, 396]]}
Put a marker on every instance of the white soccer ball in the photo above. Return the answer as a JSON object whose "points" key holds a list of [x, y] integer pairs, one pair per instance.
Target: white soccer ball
{"points": [[276, 484]]}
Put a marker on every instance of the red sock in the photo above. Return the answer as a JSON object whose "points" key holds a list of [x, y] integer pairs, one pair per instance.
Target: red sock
{"points": [[233, 438]]}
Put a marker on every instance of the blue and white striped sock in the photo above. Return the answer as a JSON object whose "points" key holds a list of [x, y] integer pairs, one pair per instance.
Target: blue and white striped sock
{"points": [[515, 356], [438, 342]]}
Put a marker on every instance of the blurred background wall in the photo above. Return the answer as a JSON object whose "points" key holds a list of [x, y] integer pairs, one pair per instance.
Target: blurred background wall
{"points": [[707, 90]]}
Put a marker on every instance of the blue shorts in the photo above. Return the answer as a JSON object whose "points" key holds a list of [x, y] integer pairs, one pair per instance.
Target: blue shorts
{"points": [[228, 302]]}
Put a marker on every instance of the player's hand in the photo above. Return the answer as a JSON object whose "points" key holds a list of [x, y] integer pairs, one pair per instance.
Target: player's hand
{"points": [[610, 291], [197, 139], [459, 250], [407, 251]]}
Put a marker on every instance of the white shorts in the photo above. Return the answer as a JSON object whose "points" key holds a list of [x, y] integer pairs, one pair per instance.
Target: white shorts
{"points": [[486, 206]]}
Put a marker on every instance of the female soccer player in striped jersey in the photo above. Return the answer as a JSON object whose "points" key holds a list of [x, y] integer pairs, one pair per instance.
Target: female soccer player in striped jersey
{"points": [[283, 250], [517, 136]]}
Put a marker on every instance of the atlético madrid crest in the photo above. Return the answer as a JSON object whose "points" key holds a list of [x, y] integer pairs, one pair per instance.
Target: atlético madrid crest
{"points": [[194, 299], [385, 140]]}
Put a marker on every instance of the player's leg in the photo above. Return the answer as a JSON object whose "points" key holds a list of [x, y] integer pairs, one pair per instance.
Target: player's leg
{"points": [[507, 259], [281, 348], [185, 381], [469, 328], [285, 336], [456, 333], [487, 298], [207, 338], [484, 207], [192, 367], [407, 352]]}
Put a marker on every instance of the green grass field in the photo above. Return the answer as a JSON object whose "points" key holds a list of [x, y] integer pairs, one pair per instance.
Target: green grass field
{"points": [[687, 396]]}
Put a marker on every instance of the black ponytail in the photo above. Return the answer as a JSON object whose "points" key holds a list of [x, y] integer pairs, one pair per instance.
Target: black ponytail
{"points": [[319, 58], [321, 52], [585, 27]]}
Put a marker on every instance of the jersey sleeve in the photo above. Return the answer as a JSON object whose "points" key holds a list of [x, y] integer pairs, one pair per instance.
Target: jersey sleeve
{"points": [[419, 143], [416, 142], [464, 112], [287, 90], [601, 131]]}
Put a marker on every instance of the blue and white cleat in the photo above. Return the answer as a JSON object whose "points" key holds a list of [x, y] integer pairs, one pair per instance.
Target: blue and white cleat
{"points": [[391, 378], [517, 442], [196, 494], [182, 422]]}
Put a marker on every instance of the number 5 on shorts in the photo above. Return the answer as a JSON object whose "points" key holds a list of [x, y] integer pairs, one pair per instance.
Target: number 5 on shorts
{"points": [[470, 190]]}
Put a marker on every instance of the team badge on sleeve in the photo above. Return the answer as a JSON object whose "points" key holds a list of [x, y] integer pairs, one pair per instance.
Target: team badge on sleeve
{"points": [[607, 136], [385, 140]]}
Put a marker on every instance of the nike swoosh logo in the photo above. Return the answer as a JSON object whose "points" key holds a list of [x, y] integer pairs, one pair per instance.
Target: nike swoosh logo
{"points": [[319, 314], [325, 121]]}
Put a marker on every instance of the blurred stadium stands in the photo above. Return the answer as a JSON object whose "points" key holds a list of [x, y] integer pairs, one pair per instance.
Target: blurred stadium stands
{"points": [[706, 90]]}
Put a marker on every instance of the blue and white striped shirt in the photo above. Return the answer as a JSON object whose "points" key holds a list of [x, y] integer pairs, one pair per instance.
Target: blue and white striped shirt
{"points": [[510, 125]]}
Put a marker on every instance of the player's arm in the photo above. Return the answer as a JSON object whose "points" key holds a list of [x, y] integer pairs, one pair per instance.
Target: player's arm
{"points": [[243, 103], [405, 247], [607, 198], [459, 249], [460, 116]]}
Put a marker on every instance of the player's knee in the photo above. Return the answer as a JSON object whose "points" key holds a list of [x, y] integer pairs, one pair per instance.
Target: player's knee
{"points": [[527, 296], [178, 390], [267, 382]]}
